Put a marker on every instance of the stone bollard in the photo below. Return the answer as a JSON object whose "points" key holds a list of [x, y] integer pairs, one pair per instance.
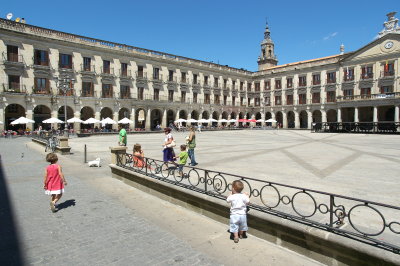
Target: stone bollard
{"points": [[63, 142], [115, 151]]}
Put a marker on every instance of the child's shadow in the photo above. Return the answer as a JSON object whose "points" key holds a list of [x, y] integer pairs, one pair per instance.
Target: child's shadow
{"points": [[66, 204]]}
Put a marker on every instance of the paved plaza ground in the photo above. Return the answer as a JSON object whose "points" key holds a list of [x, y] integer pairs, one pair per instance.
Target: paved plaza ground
{"points": [[102, 221]]}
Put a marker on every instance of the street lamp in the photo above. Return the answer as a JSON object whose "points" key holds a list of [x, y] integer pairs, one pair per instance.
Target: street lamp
{"points": [[64, 84]]}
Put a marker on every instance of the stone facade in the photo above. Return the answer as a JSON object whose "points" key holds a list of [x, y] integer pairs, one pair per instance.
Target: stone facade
{"points": [[149, 87]]}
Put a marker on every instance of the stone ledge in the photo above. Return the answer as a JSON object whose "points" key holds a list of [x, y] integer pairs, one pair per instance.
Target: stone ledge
{"points": [[63, 150], [320, 245]]}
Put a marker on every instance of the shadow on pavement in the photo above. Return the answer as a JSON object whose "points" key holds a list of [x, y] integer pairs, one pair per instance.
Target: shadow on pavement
{"points": [[10, 250], [66, 204]]}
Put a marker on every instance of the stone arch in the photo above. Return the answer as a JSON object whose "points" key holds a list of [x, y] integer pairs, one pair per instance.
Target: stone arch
{"points": [[183, 114], [215, 115], [61, 115], [279, 117], [170, 117], [268, 115], [12, 112], [106, 112], [86, 113], [140, 118], [155, 118], [123, 112], [291, 119], [233, 115], [40, 113], [317, 116], [194, 115], [241, 115], [303, 119], [331, 116], [258, 116], [386, 113], [225, 115], [248, 116], [205, 115]]}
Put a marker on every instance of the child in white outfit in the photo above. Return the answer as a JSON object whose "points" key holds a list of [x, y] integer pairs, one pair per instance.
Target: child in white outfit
{"points": [[238, 218]]}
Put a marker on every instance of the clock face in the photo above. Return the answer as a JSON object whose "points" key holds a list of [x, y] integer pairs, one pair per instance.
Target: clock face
{"points": [[389, 45]]}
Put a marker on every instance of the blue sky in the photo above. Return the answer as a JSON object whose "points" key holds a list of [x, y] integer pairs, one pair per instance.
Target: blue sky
{"points": [[228, 32]]}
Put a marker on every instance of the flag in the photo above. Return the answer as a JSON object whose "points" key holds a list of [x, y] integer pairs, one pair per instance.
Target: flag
{"points": [[386, 66]]}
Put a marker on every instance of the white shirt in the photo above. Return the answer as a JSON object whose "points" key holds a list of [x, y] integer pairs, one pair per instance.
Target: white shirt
{"points": [[238, 203]]}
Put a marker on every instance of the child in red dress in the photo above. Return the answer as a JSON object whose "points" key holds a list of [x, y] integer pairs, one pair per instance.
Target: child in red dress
{"points": [[54, 181]]}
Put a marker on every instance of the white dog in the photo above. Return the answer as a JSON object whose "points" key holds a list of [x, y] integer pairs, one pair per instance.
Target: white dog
{"points": [[94, 163]]}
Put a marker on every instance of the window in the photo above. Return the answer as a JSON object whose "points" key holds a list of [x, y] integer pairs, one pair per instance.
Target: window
{"points": [[170, 75], [194, 78], [41, 85], [248, 101], [316, 97], [278, 100], [386, 89], [248, 86], [216, 82], [87, 89], [170, 96], [302, 98], [225, 83], [388, 69], [216, 99], [124, 69], [289, 82], [367, 72], [241, 85], [156, 95], [140, 73], [348, 74], [124, 92], [241, 101], [257, 86], [141, 93], [331, 77], [66, 61], [267, 101], [205, 80], [183, 77], [156, 73], [106, 91], [257, 101], [233, 100], [106, 66], [41, 58], [278, 84], [289, 99], [302, 81], [207, 98], [267, 85], [87, 61], [331, 96], [348, 94], [12, 53], [233, 85], [13, 83], [225, 99], [316, 78], [366, 93], [194, 97], [183, 97]]}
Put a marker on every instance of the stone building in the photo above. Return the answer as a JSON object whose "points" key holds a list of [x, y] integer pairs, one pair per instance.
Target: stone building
{"points": [[150, 87]]}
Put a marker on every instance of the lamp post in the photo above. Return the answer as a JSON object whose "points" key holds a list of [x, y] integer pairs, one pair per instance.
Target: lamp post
{"points": [[64, 84]]}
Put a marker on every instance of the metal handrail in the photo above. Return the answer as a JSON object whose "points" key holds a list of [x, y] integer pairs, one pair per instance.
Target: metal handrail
{"points": [[358, 127], [329, 211]]}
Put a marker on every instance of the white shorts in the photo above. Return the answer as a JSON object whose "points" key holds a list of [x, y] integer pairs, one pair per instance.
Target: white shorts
{"points": [[238, 222]]}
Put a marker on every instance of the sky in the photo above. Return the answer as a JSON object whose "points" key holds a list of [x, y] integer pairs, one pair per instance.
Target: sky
{"points": [[228, 32]]}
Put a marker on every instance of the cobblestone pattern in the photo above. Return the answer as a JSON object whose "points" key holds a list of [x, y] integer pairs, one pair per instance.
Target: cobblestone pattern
{"points": [[89, 229]]}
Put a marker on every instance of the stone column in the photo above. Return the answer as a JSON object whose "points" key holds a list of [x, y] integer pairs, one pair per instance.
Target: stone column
{"points": [[309, 119], [115, 118], [54, 114], [177, 114], [219, 118], [164, 119], [356, 115], [339, 115], [148, 120], [323, 112], [133, 118], [375, 114], [77, 126], [296, 120], [97, 116], [284, 122], [2, 119], [396, 114], [29, 115]]}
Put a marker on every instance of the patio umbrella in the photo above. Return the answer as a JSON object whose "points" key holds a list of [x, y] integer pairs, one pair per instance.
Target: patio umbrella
{"points": [[202, 121], [125, 121], [180, 120], [271, 120], [91, 121], [252, 120], [232, 121], [108, 121], [223, 120], [260, 120], [74, 120], [191, 120], [212, 120], [22, 120], [1, 123], [53, 120], [243, 120]]}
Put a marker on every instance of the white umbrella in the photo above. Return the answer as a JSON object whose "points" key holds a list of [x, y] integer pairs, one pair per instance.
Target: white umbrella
{"points": [[212, 120], [22, 120], [191, 120], [125, 121], [53, 120], [271, 120], [180, 120], [223, 120], [91, 121], [1, 123], [108, 120], [74, 120], [202, 121], [232, 121], [260, 120]]}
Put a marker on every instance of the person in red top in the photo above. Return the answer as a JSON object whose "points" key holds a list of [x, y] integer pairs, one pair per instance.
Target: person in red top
{"points": [[54, 180]]}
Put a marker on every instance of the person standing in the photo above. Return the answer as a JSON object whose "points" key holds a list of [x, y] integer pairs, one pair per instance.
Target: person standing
{"points": [[54, 180], [192, 145], [122, 136], [169, 144]]}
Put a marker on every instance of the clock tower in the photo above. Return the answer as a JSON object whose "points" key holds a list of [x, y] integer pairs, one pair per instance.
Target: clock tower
{"points": [[267, 57]]}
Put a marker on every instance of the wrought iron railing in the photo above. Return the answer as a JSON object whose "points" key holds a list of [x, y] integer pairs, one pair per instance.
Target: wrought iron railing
{"points": [[366, 221], [357, 127]]}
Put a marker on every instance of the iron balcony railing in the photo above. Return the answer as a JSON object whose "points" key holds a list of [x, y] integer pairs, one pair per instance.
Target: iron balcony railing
{"points": [[125, 73], [389, 73], [15, 58], [141, 75], [363, 97], [368, 75], [69, 92], [88, 68], [41, 90], [14, 88], [327, 211]]}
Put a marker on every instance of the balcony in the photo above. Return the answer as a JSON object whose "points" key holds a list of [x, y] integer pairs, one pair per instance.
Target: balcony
{"points": [[125, 94], [362, 97], [302, 84], [348, 78], [184, 80], [87, 93], [14, 88], [316, 82], [107, 72], [125, 74], [330, 81], [316, 100], [387, 74], [13, 60], [141, 75], [88, 69], [41, 91], [106, 94], [69, 92], [158, 78], [367, 75]]}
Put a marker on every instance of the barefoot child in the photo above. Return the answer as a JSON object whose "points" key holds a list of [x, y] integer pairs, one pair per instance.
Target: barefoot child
{"points": [[238, 218], [183, 156], [54, 181]]}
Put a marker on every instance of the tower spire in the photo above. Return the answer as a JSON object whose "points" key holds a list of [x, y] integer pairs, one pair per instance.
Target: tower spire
{"points": [[267, 57]]}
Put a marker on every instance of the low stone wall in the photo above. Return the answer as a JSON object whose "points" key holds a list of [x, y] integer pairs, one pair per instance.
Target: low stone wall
{"points": [[323, 246], [63, 148]]}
